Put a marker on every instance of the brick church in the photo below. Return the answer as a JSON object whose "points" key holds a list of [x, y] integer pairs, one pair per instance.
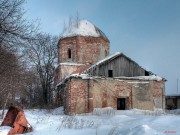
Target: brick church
{"points": [[87, 77]]}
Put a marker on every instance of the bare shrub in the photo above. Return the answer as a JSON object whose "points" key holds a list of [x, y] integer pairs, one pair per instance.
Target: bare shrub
{"points": [[112, 131], [156, 112], [72, 122], [108, 111]]}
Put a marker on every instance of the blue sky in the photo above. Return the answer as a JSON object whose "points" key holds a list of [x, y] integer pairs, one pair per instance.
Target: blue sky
{"points": [[147, 31]]}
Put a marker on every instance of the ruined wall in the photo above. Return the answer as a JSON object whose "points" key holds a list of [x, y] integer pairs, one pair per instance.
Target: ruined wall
{"points": [[138, 94], [77, 96], [106, 92], [85, 94], [142, 97], [66, 70], [158, 92], [147, 95]]}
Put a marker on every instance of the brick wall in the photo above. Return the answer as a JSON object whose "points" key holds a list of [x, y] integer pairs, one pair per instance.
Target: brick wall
{"points": [[159, 94], [84, 50], [91, 49], [106, 93], [66, 70], [84, 95], [63, 46], [78, 96], [142, 97]]}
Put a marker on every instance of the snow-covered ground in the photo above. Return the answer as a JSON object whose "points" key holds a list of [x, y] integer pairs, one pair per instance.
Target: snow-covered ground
{"points": [[102, 122]]}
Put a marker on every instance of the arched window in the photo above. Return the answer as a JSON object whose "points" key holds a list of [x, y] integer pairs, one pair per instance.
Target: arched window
{"points": [[69, 53]]}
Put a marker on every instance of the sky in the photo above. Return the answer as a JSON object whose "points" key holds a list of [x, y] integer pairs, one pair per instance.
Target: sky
{"points": [[147, 31]]}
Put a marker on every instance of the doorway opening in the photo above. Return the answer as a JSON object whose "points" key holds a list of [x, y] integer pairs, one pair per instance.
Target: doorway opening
{"points": [[121, 103]]}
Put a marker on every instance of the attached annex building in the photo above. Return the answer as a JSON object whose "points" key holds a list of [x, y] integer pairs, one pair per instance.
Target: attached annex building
{"points": [[87, 77]]}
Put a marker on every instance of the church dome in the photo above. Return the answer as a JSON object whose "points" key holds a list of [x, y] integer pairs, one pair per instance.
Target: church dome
{"points": [[83, 28]]}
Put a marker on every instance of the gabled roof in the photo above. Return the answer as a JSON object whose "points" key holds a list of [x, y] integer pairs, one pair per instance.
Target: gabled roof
{"points": [[112, 57]]}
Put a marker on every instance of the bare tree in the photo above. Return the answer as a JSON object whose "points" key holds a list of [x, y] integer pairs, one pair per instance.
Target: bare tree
{"points": [[42, 53], [14, 29], [30, 94], [18, 33], [77, 19], [15, 32], [72, 22], [10, 77]]}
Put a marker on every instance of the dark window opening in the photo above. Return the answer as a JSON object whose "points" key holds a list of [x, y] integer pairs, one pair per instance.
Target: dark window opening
{"points": [[146, 73], [121, 104], [110, 73], [69, 53]]}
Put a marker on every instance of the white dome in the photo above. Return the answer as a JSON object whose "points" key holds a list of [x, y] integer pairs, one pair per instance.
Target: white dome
{"points": [[83, 28]]}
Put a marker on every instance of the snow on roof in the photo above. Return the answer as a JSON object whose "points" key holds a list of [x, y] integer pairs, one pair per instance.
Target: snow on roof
{"points": [[83, 76], [71, 64], [139, 82], [148, 78], [83, 28], [109, 57], [103, 60], [86, 76]]}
